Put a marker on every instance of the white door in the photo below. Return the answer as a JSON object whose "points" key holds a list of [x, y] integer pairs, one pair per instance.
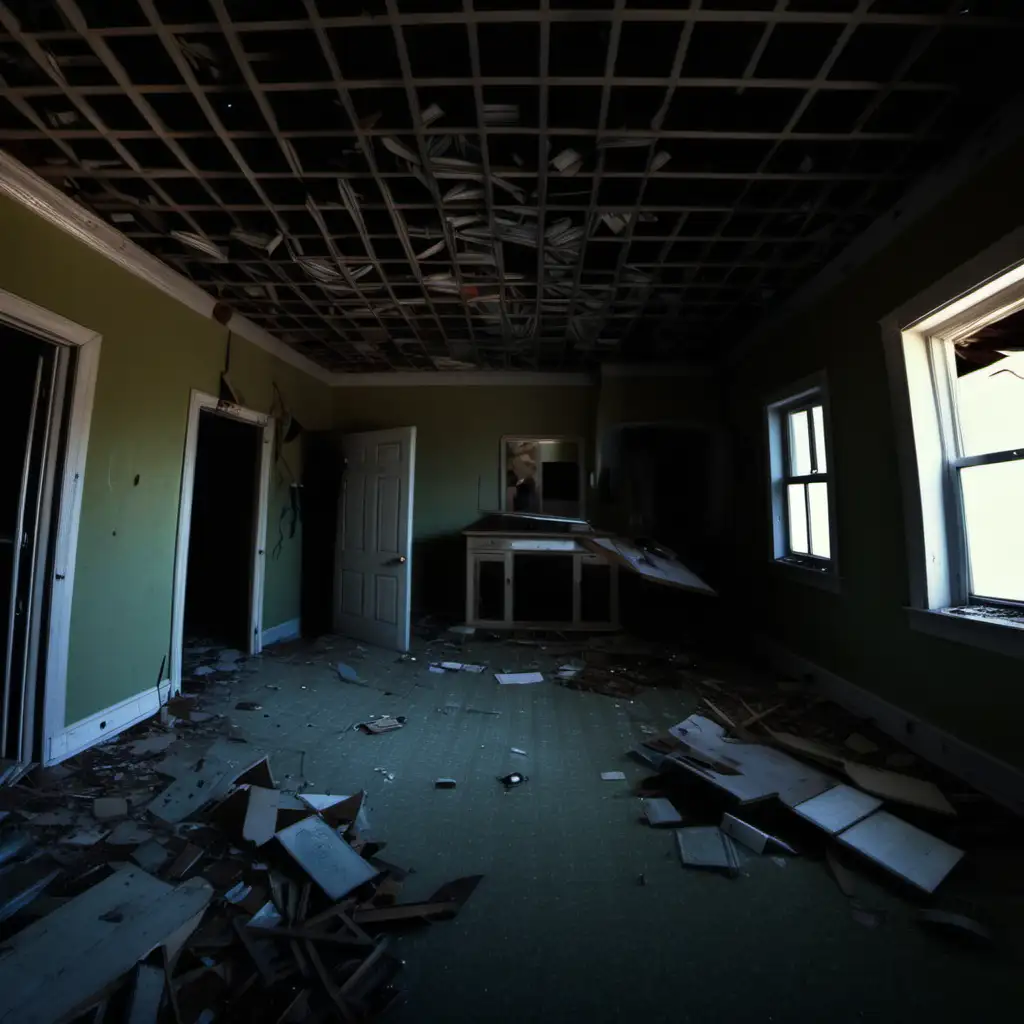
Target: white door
{"points": [[372, 578]]}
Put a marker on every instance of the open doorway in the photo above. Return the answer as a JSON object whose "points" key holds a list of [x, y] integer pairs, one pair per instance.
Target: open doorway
{"points": [[27, 400], [219, 564], [47, 378]]}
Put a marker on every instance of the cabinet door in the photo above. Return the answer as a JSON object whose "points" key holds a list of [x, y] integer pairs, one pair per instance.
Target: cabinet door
{"points": [[490, 588]]}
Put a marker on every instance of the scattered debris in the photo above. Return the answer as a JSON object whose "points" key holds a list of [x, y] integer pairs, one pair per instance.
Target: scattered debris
{"points": [[347, 673], [861, 744], [444, 783], [752, 837], [248, 705], [899, 788], [385, 723], [518, 678], [707, 846], [516, 750], [954, 926], [661, 813], [512, 779], [613, 776]]}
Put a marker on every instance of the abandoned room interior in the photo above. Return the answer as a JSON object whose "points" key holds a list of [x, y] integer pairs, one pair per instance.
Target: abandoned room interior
{"points": [[513, 510]]}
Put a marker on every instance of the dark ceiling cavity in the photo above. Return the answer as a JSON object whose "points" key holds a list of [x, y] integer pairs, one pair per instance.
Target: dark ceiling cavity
{"points": [[443, 184]]}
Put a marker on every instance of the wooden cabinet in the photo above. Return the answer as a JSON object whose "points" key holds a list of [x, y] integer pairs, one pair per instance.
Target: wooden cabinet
{"points": [[538, 581]]}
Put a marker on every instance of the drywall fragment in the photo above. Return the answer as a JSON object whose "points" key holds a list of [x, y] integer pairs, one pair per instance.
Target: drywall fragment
{"points": [[430, 115], [838, 808], [920, 858], [706, 846], [661, 813], [752, 837]]}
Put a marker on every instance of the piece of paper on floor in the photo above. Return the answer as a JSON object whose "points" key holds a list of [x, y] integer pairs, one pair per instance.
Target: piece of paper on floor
{"points": [[518, 678], [613, 776]]}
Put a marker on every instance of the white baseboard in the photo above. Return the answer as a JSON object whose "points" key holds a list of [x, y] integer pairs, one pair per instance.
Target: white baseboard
{"points": [[106, 724], [285, 631], [988, 774]]}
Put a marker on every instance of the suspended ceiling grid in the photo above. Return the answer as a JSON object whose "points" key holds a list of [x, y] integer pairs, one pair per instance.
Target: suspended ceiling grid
{"points": [[438, 184]]}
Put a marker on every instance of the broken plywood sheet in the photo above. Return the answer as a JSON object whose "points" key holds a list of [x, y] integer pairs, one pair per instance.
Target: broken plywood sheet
{"points": [[903, 789], [646, 563], [58, 964], [209, 778], [325, 857], [747, 771], [838, 808], [808, 748], [921, 859]]}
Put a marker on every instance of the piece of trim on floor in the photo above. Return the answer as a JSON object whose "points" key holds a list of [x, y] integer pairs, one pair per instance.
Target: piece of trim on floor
{"points": [[106, 724], [282, 631], [997, 779]]}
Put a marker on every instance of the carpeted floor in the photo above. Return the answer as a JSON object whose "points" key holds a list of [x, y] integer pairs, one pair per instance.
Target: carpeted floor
{"points": [[560, 928]]}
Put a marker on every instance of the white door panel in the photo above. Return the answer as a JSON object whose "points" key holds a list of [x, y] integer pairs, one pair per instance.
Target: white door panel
{"points": [[373, 574]]}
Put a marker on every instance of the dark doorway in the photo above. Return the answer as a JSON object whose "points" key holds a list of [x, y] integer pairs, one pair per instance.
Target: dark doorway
{"points": [[223, 531], [27, 386]]}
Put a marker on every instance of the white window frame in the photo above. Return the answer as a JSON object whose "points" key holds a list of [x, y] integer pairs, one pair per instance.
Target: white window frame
{"points": [[813, 569], [918, 345]]}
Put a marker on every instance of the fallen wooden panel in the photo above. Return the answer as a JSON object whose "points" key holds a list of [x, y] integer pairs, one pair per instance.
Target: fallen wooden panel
{"points": [[921, 859], [838, 808], [325, 857], [747, 771], [58, 964], [645, 563], [903, 789], [808, 748]]}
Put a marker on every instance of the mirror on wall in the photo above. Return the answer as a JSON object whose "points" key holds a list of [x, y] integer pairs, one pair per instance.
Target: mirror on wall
{"points": [[543, 475]]}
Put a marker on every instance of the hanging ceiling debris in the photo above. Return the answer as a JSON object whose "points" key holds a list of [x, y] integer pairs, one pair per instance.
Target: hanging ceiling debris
{"points": [[537, 185]]}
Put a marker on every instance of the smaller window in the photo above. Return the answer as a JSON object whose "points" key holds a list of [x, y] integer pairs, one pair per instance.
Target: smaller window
{"points": [[802, 517]]}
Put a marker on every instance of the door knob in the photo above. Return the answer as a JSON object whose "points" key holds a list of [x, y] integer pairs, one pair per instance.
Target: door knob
{"points": [[398, 560]]}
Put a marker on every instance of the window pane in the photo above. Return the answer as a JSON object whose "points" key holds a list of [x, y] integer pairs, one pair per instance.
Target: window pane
{"points": [[799, 444], [817, 497], [993, 500], [818, 413], [990, 406], [797, 518]]}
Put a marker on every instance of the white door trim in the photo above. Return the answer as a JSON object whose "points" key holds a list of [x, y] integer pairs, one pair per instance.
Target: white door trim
{"points": [[197, 403], [70, 476]]}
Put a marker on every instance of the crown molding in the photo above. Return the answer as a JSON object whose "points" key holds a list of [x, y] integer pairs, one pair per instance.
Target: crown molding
{"points": [[29, 190]]}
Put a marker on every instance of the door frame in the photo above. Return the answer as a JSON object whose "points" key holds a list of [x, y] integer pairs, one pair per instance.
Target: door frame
{"points": [[79, 351], [199, 402]]}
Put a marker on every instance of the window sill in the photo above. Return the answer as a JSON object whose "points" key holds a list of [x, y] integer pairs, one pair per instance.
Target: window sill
{"points": [[797, 573], [972, 627]]}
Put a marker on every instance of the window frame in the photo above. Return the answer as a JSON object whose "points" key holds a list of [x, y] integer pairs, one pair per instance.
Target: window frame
{"points": [[803, 395], [918, 339]]}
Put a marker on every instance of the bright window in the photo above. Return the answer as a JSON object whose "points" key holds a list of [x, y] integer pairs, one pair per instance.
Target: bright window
{"points": [[987, 460], [800, 466]]}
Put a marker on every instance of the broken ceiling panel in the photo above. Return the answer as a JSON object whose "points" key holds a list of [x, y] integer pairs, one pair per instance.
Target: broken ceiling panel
{"points": [[373, 185]]}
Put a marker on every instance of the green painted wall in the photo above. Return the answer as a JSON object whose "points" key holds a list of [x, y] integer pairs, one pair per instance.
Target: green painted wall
{"points": [[458, 445], [863, 633], [154, 352]]}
